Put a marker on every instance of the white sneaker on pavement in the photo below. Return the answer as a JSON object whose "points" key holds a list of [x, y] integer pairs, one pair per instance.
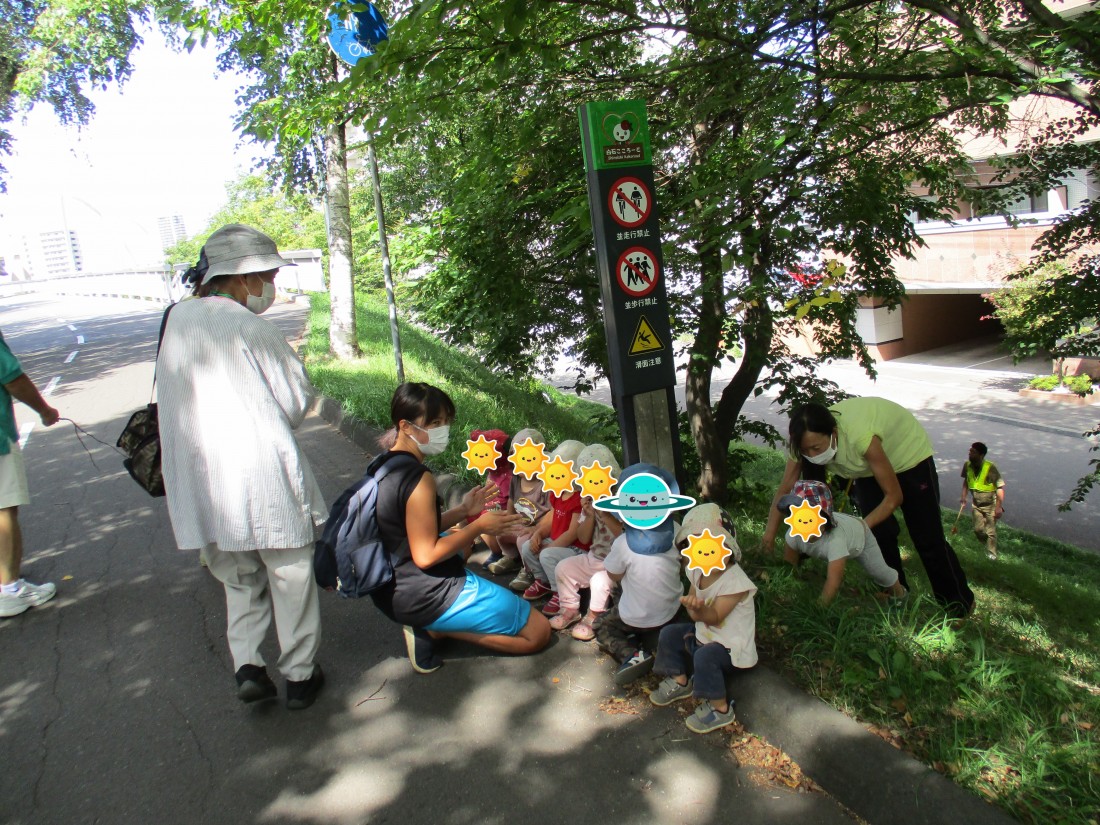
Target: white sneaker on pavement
{"points": [[28, 596]]}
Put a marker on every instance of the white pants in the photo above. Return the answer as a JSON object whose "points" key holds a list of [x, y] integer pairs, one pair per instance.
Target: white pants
{"points": [[259, 583]]}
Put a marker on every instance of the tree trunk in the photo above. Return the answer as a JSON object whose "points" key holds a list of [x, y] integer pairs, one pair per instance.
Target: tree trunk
{"points": [[713, 479], [341, 282], [758, 328]]}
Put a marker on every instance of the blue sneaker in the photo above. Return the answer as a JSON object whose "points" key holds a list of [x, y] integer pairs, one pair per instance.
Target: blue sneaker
{"points": [[638, 665], [422, 656]]}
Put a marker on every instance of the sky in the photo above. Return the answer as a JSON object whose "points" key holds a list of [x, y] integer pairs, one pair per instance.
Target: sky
{"points": [[160, 145]]}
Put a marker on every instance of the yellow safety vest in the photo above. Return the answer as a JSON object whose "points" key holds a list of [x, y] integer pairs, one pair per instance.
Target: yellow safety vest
{"points": [[979, 484]]}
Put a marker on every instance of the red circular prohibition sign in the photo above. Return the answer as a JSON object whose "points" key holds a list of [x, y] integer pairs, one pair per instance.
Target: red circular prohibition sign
{"points": [[629, 202], [637, 271]]}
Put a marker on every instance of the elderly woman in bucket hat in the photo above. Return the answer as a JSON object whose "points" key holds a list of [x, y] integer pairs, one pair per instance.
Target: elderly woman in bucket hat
{"points": [[231, 393]]}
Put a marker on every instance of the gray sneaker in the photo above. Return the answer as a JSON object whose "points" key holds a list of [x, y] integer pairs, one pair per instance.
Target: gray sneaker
{"points": [[670, 691], [706, 718], [28, 596], [505, 565], [522, 581]]}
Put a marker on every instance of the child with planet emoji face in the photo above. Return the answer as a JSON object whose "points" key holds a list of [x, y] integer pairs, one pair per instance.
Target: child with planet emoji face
{"points": [[647, 566], [696, 657]]}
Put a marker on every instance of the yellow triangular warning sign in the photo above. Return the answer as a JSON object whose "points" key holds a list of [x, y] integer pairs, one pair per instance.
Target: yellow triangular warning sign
{"points": [[645, 339]]}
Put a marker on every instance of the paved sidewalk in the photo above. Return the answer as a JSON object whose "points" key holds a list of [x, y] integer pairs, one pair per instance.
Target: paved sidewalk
{"points": [[874, 780]]}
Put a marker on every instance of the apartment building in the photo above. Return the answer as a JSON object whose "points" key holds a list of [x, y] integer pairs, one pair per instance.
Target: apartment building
{"points": [[53, 254], [171, 230]]}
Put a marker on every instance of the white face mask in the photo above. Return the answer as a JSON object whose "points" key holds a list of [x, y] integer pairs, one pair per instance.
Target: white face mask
{"points": [[437, 439], [824, 458], [262, 302]]}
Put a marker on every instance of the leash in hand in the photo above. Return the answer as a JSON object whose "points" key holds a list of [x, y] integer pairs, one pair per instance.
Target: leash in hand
{"points": [[77, 430]]}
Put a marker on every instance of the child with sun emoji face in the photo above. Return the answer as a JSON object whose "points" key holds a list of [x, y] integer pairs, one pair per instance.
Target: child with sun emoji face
{"points": [[695, 658], [576, 572], [833, 537], [499, 473], [525, 498], [560, 540]]}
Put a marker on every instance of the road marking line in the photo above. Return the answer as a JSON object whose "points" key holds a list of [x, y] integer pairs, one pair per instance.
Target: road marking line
{"points": [[80, 339], [25, 433], [51, 386], [70, 326], [72, 355]]}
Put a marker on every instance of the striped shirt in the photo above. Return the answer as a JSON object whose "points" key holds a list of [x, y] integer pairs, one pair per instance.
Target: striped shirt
{"points": [[231, 392]]}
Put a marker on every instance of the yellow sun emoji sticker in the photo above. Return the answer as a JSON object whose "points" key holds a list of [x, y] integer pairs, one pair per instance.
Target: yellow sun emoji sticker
{"points": [[706, 552], [596, 481], [557, 476], [805, 521], [481, 455], [528, 459]]}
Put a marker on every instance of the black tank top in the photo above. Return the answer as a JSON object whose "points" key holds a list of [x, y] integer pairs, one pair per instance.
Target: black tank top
{"points": [[417, 597]]}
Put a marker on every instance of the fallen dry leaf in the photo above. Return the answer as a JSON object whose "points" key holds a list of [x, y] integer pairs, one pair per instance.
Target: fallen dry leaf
{"points": [[618, 704]]}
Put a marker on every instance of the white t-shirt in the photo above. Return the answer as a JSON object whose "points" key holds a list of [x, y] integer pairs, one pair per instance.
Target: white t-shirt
{"points": [[845, 541], [651, 584], [737, 633]]}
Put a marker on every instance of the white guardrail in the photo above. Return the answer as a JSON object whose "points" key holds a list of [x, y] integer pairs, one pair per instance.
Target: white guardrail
{"points": [[162, 285]]}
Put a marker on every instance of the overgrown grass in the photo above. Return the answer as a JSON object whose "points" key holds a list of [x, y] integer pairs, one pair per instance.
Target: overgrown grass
{"points": [[1008, 704], [483, 399]]}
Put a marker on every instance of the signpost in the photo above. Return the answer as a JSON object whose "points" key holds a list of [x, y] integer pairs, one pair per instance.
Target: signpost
{"points": [[352, 36], [618, 162]]}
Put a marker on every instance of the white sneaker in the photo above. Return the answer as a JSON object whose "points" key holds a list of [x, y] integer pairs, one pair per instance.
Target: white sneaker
{"points": [[28, 596]]}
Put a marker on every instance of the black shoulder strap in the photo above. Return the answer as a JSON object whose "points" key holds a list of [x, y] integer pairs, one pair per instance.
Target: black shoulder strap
{"points": [[163, 324], [160, 338]]}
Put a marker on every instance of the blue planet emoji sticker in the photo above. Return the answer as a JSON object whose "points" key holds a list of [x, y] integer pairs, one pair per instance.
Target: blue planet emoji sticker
{"points": [[644, 501]]}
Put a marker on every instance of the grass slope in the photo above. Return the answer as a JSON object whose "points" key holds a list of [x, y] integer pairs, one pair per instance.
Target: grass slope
{"points": [[1008, 704]]}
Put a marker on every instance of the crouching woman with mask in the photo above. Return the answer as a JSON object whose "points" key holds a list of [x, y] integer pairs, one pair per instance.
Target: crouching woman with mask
{"points": [[433, 595], [882, 447], [231, 392]]}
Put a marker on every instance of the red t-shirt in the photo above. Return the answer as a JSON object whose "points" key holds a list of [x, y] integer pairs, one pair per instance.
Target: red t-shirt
{"points": [[563, 509]]}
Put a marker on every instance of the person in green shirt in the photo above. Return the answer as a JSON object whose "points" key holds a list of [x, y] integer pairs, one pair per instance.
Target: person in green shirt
{"points": [[886, 453], [16, 595]]}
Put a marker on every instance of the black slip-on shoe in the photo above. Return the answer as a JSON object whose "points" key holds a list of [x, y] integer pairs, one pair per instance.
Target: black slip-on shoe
{"points": [[300, 695], [253, 684]]}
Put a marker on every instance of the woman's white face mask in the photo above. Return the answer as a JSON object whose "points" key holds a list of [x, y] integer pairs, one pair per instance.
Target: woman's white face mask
{"points": [[437, 439], [259, 304], [825, 456]]}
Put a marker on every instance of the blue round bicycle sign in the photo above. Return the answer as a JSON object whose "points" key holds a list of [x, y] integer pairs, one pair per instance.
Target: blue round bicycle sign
{"points": [[354, 35]]}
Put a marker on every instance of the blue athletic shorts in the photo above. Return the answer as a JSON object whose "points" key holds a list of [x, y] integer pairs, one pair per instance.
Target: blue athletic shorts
{"points": [[486, 608]]}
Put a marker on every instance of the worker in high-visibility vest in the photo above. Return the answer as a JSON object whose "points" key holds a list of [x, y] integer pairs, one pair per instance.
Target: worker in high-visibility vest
{"points": [[983, 482]]}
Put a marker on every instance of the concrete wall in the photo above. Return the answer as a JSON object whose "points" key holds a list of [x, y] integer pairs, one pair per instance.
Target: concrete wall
{"points": [[930, 321]]}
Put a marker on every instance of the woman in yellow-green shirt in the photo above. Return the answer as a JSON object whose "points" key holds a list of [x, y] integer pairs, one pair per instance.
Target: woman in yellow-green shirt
{"points": [[882, 447]]}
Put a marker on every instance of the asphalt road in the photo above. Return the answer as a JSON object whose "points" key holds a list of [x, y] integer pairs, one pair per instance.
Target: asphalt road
{"points": [[117, 700]]}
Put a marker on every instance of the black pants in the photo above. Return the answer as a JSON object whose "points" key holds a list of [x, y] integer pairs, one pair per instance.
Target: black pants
{"points": [[920, 489]]}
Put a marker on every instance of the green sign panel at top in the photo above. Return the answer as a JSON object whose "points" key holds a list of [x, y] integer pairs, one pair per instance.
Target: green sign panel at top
{"points": [[618, 134]]}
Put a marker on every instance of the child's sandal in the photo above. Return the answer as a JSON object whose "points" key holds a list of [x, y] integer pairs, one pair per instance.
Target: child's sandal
{"points": [[584, 631], [565, 618]]}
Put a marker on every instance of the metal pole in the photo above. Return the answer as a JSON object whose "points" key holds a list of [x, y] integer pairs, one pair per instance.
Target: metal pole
{"points": [[384, 247]]}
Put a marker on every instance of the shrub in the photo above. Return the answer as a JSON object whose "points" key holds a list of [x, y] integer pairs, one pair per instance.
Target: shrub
{"points": [[1080, 384]]}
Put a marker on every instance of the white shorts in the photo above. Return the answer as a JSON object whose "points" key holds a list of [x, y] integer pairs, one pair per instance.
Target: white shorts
{"points": [[13, 479]]}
